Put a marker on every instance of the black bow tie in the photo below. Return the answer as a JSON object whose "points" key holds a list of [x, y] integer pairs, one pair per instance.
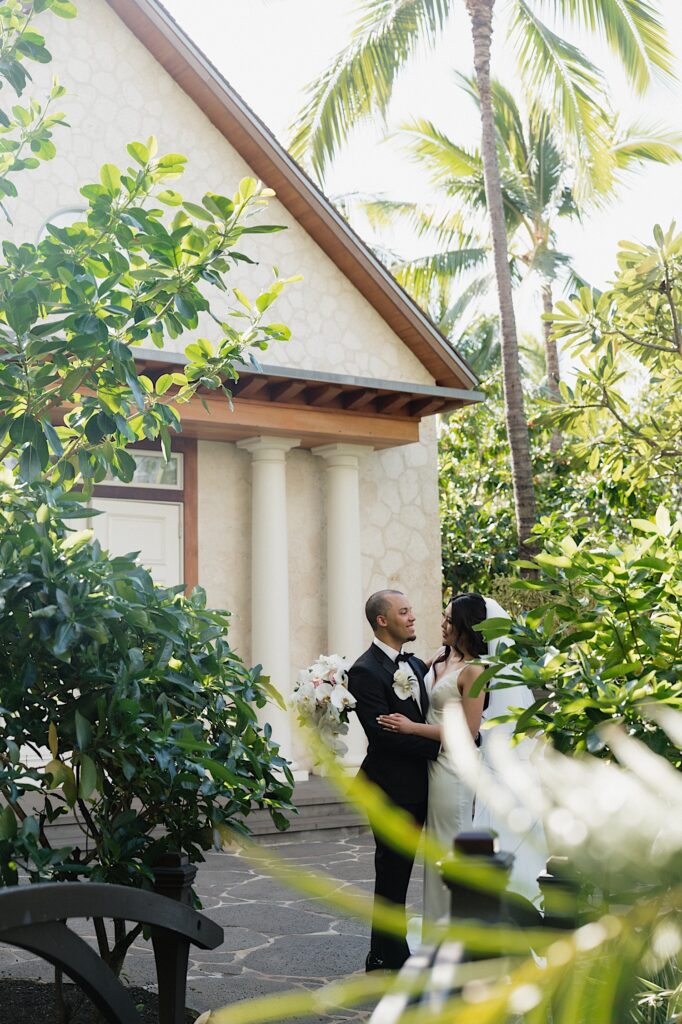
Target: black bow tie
{"points": [[403, 656]]}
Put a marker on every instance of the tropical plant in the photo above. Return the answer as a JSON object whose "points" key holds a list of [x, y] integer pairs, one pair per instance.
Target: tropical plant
{"points": [[540, 186], [26, 131], [360, 80], [605, 642], [618, 826], [148, 715], [478, 533], [74, 307], [628, 431]]}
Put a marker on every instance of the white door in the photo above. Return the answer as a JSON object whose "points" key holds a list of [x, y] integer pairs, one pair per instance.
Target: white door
{"points": [[154, 528]]}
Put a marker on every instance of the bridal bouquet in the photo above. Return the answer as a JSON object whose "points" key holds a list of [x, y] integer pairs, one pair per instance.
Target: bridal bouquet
{"points": [[322, 700]]}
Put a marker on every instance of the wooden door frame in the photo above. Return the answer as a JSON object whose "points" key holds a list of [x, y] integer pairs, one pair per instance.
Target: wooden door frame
{"points": [[187, 496]]}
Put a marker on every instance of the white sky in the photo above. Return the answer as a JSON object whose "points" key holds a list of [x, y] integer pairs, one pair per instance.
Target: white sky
{"points": [[270, 49]]}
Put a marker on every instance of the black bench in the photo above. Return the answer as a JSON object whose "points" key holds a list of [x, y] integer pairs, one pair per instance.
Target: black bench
{"points": [[33, 917]]}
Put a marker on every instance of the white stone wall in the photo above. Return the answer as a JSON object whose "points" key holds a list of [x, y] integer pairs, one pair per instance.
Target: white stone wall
{"points": [[117, 93], [401, 535]]}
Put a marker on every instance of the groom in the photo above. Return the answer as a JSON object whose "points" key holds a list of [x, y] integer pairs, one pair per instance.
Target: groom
{"points": [[384, 680]]}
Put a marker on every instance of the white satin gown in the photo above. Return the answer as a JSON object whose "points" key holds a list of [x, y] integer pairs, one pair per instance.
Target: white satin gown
{"points": [[450, 806]]}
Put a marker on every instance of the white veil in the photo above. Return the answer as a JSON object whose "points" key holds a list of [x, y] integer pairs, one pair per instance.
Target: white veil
{"points": [[497, 808], [502, 698]]}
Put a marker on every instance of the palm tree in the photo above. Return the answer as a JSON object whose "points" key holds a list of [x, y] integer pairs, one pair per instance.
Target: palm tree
{"points": [[539, 188], [361, 78]]}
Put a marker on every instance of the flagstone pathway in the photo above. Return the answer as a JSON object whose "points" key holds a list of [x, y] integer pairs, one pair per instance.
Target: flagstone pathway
{"points": [[276, 938]]}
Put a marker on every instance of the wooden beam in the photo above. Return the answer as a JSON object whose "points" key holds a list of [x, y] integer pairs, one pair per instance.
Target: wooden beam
{"points": [[392, 403], [359, 400], [315, 426], [190, 518], [426, 406], [287, 391], [252, 387], [325, 395]]}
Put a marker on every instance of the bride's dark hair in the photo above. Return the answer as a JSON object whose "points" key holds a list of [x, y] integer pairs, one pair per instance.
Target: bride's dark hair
{"points": [[466, 611]]}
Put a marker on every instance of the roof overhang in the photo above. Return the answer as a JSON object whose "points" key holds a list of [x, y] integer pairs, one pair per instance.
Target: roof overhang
{"points": [[151, 23], [320, 408]]}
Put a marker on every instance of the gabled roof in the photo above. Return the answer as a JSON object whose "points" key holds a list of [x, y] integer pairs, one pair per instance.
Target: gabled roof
{"points": [[151, 23]]}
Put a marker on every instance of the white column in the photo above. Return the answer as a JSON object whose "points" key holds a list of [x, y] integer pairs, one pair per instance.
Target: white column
{"points": [[270, 644], [345, 599]]}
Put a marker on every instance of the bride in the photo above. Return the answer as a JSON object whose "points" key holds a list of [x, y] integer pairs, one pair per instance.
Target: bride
{"points": [[451, 802]]}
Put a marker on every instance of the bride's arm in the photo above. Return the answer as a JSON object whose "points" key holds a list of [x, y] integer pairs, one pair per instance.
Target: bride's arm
{"points": [[400, 723], [471, 706]]}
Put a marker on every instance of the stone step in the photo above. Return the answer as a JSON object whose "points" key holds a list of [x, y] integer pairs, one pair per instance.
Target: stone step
{"points": [[300, 826], [320, 807]]}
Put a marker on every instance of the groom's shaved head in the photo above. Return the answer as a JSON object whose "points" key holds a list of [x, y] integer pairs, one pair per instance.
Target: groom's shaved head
{"points": [[379, 604]]}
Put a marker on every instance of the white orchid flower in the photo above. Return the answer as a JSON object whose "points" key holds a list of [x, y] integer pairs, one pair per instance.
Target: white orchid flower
{"points": [[402, 684]]}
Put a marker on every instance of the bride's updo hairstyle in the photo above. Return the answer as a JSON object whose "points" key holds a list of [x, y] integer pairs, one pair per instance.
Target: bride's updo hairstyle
{"points": [[466, 611]]}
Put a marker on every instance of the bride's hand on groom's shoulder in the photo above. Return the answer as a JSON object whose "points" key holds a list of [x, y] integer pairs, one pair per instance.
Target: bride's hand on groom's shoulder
{"points": [[395, 723], [434, 657]]}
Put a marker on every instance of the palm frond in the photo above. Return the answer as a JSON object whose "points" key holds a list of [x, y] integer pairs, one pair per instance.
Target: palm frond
{"points": [[624, 151], [444, 158], [548, 262], [509, 126], [441, 225], [422, 277], [632, 28], [360, 79], [559, 75], [647, 142], [547, 165], [533, 359], [452, 312], [575, 282], [480, 345]]}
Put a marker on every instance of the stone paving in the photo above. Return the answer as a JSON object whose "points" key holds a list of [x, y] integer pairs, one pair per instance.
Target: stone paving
{"points": [[276, 939]]}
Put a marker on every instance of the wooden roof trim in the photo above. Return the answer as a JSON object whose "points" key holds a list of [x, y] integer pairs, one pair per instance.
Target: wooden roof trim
{"points": [[202, 82], [286, 385]]}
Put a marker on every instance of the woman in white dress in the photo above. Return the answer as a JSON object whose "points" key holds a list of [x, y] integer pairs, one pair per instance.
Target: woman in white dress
{"points": [[450, 679], [451, 806]]}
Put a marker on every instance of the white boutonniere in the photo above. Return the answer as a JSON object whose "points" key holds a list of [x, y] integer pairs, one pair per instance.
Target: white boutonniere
{"points": [[402, 684]]}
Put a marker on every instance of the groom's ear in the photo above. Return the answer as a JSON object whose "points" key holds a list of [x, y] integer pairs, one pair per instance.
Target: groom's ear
{"points": [[382, 621]]}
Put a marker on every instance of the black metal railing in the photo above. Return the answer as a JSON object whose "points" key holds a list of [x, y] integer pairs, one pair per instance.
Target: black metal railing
{"points": [[435, 973]]}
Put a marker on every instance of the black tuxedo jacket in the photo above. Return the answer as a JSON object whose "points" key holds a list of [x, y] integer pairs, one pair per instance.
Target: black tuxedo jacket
{"points": [[395, 762]]}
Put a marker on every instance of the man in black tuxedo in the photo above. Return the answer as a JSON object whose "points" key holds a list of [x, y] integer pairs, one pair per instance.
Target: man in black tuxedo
{"points": [[395, 762]]}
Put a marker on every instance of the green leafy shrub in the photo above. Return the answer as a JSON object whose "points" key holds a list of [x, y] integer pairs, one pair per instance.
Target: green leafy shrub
{"points": [[148, 714], [605, 641], [628, 433], [478, 531]]}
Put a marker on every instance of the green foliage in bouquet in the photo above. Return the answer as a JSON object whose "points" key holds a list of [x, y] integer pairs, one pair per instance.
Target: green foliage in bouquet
{"points": [[605, 642]]}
